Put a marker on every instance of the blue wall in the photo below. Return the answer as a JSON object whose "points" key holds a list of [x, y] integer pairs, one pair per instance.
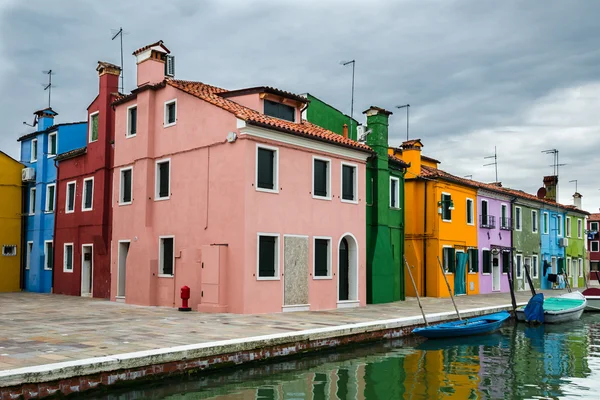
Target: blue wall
{"points": [[549, 243], [40, 226]]}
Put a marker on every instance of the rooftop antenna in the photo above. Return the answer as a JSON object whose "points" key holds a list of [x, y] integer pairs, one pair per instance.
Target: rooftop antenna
{"points": [[119, 33], [48, 86], [495, 163], [407, 106], [555, 166], [574, 180], [468, 176], [344, 63]]}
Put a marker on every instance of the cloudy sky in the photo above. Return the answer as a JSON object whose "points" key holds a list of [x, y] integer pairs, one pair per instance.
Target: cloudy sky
{"points": [[521, 76]]}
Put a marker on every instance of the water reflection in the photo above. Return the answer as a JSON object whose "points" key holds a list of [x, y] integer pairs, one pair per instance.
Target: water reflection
{"points": [[519, 362]]}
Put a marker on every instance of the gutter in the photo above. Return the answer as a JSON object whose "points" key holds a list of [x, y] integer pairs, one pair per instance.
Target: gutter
{"points": [[424, 238]]}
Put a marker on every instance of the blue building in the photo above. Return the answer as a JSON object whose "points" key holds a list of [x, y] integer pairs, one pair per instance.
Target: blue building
{"points": [[552, 220], [38, 150]]}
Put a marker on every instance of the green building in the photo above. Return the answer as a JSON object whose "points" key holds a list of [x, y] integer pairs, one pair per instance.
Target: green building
{"points": [[384, 198], [575, 252], [526, 242]]}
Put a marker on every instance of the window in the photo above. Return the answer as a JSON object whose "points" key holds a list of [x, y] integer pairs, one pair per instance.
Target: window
{"points": [[31, 201], [125, 192], [486, 221], [49, 255], [163, 180], [268, 256], [279, 110], [535, 266], [34, 144], [504, 223], [9, 250], [595, 246], [569, 268], [518, 218], [484, 210], [70, 198], [131, 121], [349, 183], [470, 212], [449, 255], [29, 253], [68, 258], [594, 226], [170, 113], [545, 224], [88, 194], [559, 225], [321, 181], [568, 227], [505, 262], [579, 229], [519, 266], [473, 261], [93, 127], [581, 267], [486, 267], [527, 266], [50, 189], [322, 258], [446, 207], [534, 221], [394, 192], [52, 145], [166, 256], [267, 160]]}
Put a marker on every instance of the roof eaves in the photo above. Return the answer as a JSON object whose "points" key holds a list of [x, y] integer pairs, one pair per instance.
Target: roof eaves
{"points": [[71, 154]]}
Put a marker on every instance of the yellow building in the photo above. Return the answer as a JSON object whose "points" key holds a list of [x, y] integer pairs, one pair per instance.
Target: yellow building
{"points": [[10, 223], [440, 212]]}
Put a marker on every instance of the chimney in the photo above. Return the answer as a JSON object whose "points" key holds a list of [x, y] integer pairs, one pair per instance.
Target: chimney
{"points": [[345, 131], [411, 154], [498, 184], [150, 62], [550, 183], [108, 75], [45, 118], [577, 200]]}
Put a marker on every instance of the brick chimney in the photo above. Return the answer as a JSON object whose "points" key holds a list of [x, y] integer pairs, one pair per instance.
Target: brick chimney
{"points": [[577, 200], [550, 183], [411, 154], [150, 62], [345, 131], [45, 118]]}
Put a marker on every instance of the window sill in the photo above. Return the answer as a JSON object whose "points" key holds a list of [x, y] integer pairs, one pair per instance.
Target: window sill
{"points": [[93, 141], [165, 276], [69, 212], [125, 204], [472, 273], [48, 212], [394, 208], [51, 155], [130, 136], [348, 303], [64, 270], [170, 125], [162, 198], [322, 278], [275, 278], [486, 273], [267, 190], [328, 198], [472, 224], [349, 201], [86, 209], [446, 220], [32, 161], [31, 214]]}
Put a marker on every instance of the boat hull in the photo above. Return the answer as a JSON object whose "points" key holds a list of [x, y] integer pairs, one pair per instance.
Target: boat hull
{"points": [[472, 326], [560, 316], [593, 303]]}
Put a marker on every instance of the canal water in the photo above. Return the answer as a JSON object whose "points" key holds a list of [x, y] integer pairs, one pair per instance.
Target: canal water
{"points": [[518, 362]]}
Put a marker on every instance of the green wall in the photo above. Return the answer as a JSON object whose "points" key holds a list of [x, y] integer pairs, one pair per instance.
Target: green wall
{"points": [[526, 242], [325, 116], [576, 247]]}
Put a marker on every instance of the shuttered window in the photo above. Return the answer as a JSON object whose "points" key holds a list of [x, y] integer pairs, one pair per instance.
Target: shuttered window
{"points": [[469, 211], [93, 127], [446, 204], [49, 255], [505, 261], [70, 197], [484, 211], [266, 169], [518, 218], [126, 185], [267, 253], [322, 257], [68, 258], [561, 265], [279, 110], [34, 148], [52, 144], [32, 201], [394, 192], [88, 194], [473, 260], [50, 198], [486, 267], [132, 122], [170, 112], [449, 259], [166, 256], [163, 179], [320, 178], [348, 183]]}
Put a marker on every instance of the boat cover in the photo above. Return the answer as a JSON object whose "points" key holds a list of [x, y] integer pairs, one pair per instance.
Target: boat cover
{"points": [[534, 311], [591, 292]]}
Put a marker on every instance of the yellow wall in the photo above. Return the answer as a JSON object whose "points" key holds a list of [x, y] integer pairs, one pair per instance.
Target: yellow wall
{"points": [[10, 222]]}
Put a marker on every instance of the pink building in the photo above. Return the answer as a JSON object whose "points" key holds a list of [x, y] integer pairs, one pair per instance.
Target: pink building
{"points": [[233, 195]]}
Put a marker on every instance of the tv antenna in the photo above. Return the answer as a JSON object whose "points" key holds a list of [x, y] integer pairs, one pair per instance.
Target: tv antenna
{"points": [[574, 180], [555, 166], [49, 86], [468, 176], [119, 34], [495, 163]]}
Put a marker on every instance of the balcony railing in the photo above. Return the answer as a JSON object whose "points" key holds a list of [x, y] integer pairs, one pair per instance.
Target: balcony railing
{"points": [[487, 221], [506, 223]]}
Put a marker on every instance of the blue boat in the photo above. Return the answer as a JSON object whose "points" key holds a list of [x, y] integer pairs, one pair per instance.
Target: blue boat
{"points": [[472, 326]]}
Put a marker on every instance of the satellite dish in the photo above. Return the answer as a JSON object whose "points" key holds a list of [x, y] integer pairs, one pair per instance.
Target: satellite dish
{"points": [[541, 193]]}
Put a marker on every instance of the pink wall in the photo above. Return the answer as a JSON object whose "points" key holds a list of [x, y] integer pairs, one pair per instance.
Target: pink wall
{"points": [[213, 201]]}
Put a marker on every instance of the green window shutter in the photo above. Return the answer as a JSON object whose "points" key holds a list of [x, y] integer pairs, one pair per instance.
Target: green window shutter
{"points": [[266, 178], [320, 178], [348, 182], [505, 261], [163, 179], [561, 265], [50, 198], [452, 264], [89, 193], [474, 260], [133, 121], [279, 110], [321, 257], [95, 127], [469, 211], [266, 257], [167, 267], [50, 255], [69, 257], [446, 211], [487, 262], [127, 186]]}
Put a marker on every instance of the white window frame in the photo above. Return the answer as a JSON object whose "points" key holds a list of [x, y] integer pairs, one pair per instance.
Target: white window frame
{"points": [[546, 223], [559, 225], [50, 155], [46, 209], [535, 223], [397, 180], [121, 191], [446, 220], [13, 253], [502, 222], [580, 265], [568, 227], [355, 183], [472, 201], [127, 135], [491, 261], [517, 258], [447, 271], [65, 269], [579, 228], [28, 254], [84, 194], [592, 224], [33, 154], [32, 200], [277, 257], [74, 183], [329, 168], [525, 260], [329, 258], [535, 266], [46, 254], [592, 246], [569, 266], [161, 255], [90, 126], [275, 169], [156, 182], [518, 219], [167, 103]]}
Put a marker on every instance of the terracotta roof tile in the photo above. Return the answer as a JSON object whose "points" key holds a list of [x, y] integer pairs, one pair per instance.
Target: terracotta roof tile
{"points": [[71, 154], [159, 43], [595, 217], [49, 129]]}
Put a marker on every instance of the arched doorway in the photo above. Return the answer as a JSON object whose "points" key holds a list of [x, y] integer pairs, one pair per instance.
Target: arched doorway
{"points": [[347, 269]]}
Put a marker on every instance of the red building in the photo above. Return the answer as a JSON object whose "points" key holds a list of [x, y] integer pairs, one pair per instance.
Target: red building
{"points": [[594, 242], [84, 211]]}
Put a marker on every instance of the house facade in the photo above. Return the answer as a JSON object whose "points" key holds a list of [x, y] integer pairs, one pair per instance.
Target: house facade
{"points": [[38, 152], [526, 241], [231, 194], [11, 192], [575, 247], [593, 242], [326, 116], [84, 209]]}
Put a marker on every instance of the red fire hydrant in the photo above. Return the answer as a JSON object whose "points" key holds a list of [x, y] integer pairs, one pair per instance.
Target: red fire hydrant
{"points": [[185, 296]]}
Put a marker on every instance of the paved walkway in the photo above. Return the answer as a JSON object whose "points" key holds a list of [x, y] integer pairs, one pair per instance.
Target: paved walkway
{"points": [[38, 329]]}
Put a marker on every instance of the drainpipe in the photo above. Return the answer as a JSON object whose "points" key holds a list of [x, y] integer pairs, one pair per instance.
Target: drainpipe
{"points": [[425, 238], [56, 191], [23, 238]]}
